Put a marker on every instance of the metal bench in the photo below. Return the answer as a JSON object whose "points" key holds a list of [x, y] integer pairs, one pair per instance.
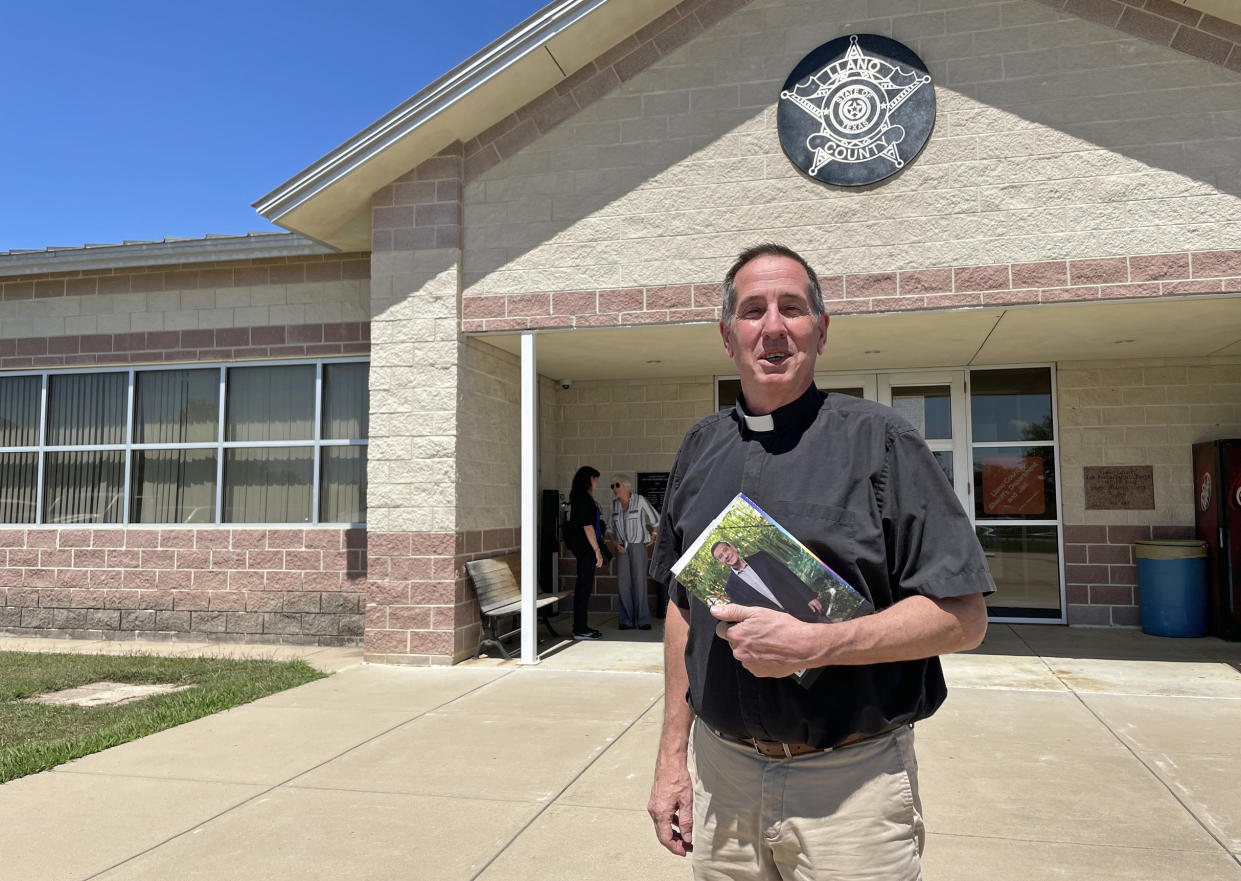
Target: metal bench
{"points": [[497, 583]]}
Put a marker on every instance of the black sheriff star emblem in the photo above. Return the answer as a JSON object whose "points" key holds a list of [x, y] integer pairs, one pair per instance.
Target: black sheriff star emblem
{"points": [[856, 110]]}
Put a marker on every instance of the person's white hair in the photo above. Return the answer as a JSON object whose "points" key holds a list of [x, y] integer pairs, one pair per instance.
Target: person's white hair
{"points": [[622, 480]]}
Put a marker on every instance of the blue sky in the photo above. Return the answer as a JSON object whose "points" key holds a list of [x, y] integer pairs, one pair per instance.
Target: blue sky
{"points": [[138, 120]]}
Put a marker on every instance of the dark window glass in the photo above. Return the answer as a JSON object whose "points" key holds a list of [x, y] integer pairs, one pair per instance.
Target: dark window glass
{"points": [[86, 409], [944, 458], [173, 486], [1011, 405], [84, 487], [928, 407], [345, 401], [342, 485], [176, 406], [19, 411], [268, 484], [270, 403], [19, 475]]}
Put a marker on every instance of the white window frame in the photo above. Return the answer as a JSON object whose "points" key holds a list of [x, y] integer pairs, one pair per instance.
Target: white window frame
{"points": [[317, 444]]}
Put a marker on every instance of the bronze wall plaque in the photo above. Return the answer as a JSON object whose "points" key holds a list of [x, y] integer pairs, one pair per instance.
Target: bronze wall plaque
{"points": [[1120, 487]]}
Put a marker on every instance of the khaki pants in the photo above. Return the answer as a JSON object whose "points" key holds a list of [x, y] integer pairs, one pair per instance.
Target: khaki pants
{"points": [[846, 815]]}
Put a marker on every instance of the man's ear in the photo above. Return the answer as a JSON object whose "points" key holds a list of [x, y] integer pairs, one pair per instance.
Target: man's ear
{"points": [[728, 343], [823, 333]]}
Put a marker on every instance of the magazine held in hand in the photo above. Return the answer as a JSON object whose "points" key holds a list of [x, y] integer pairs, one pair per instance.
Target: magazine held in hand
{"points": [[743, 556]]}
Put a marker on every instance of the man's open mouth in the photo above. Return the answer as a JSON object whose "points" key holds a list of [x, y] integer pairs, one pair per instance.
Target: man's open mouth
{"points": [[775, 357]]}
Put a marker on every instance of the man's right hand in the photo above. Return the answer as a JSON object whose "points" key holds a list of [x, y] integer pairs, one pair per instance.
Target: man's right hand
{"points": [[671, 807]]}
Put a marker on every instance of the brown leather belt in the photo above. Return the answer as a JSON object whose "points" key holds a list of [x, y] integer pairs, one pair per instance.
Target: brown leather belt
{"points": [[775, 749]]}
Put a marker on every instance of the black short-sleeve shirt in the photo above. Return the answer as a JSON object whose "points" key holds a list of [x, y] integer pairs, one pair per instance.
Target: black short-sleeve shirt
{"points": [[856, 484], [583, 511]]}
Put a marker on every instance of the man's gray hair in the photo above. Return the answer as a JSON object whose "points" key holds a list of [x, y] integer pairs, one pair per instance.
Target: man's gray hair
{"points": [[622, 480], [770, 249]]}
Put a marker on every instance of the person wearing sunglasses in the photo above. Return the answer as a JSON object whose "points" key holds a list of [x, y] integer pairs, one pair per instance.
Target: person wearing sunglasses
{"points": [[631, 530]]}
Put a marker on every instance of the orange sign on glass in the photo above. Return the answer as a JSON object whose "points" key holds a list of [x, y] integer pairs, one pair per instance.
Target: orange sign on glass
{"points": [[1013, 487]]}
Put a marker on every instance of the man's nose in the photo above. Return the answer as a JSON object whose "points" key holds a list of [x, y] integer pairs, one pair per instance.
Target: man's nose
{"points": [[773, 323]]}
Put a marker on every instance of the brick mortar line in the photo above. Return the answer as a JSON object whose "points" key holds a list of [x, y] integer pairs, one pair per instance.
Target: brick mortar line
{"points": [[893, 303], [134, 347]]}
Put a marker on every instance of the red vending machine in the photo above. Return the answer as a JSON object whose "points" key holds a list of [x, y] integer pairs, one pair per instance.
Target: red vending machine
{"points": [[1217, 509]]}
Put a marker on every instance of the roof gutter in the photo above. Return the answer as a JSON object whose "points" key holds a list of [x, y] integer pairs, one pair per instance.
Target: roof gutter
{"points": [[160, 253]]}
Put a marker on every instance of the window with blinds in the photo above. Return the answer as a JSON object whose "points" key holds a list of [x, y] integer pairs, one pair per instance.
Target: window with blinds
{"points": [[252, 443]]}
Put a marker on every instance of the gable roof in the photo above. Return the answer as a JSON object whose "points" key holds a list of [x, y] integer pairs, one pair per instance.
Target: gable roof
{"points": [[329, 201]]}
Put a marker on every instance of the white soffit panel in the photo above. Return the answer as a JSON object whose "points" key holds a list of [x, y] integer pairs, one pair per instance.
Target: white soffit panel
{"points": [[1166, 328], [1184, 327]]}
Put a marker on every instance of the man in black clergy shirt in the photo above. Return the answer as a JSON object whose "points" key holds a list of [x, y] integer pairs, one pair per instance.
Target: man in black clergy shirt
{"points": [[817, 782]]}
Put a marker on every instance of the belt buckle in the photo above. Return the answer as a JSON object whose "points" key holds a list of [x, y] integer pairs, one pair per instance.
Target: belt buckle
{"points": [[754, 742]]}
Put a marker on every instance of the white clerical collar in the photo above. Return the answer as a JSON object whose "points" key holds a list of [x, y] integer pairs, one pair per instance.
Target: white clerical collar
{"points": [[759, 423]]}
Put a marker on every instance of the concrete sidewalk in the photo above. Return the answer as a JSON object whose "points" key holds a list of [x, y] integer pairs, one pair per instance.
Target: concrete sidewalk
{"points": [[1061, 753]]}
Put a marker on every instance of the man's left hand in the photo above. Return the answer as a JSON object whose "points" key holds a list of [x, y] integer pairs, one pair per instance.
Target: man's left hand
{"points": [[766, 642]]}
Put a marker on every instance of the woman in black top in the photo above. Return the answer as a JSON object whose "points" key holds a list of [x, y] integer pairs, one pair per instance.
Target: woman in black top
{"points": [[583, 540]]}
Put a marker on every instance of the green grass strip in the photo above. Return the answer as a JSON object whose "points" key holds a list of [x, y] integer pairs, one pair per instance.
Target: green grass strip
{"points": [[35, 737]]}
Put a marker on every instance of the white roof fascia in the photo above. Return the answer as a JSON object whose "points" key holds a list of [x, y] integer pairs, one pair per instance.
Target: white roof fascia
{"points": [[166, 253], [528, 37]]}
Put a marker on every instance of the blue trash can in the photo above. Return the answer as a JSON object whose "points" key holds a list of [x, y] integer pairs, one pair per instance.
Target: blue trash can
{"points": [[1172, 587]]}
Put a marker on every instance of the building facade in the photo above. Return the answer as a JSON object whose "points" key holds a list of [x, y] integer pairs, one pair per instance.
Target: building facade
{"points": [[1050, 291]]}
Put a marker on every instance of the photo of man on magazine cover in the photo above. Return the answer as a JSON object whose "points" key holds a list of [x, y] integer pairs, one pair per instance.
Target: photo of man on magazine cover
{"points": [[745, 557], [762, 580]]}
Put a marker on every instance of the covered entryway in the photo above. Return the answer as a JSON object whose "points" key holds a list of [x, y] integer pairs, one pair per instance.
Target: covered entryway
{"points": [[992, 419]]}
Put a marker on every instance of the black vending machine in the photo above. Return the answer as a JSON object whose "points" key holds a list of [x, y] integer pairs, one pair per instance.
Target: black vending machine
{"points": [[1217, 513]]}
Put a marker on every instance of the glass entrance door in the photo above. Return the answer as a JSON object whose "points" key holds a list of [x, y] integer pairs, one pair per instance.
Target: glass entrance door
{"points": [[935, 404], [1016, 506]]}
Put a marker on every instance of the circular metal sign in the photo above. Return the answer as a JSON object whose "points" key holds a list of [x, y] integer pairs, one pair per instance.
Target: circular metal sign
{"points": [[856, 110]]}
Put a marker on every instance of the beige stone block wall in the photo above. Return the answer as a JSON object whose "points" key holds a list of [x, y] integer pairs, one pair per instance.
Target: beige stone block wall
{"points": [[626, 426], [245, 306], [411, 462], [551, 430], [488, 438], [1055, 138], [1143, 413]]}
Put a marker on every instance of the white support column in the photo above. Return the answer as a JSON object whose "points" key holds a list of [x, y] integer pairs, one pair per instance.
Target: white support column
{"points": [[529, 500]]}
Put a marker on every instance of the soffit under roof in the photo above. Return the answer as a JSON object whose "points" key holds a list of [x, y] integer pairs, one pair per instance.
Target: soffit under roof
{"points": [[1168, 328]]}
